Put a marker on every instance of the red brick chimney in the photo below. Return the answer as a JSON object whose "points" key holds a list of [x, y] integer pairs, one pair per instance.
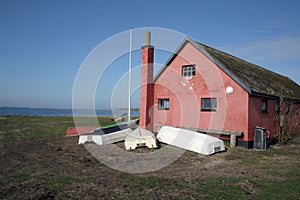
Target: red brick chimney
{"points": [[147, 89]]}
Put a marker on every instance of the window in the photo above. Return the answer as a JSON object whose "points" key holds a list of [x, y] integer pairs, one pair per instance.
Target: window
{"points": [[188, 70], [163, 104], [277, 107], [264, 106], [288, 107], [209, 104]]}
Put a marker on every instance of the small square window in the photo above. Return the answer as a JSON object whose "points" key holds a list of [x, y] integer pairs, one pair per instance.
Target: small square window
{"points": [[188, 70], [209, 104], [163, 104], [264, 106]]}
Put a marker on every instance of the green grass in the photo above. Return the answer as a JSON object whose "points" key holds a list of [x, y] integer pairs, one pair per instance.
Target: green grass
{"points": [[221, 188], [27, 127], [287, 189], [54, 182], [279, 165], [152, 187], [212, 188], [209, 188], [152, 182]]}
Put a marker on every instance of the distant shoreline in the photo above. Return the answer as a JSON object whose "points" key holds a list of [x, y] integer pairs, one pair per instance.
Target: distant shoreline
{"points": [[125, 109], [24, 111]]}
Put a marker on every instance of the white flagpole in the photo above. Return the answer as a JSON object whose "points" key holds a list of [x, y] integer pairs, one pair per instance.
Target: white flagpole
{"points": [[129, 74]]}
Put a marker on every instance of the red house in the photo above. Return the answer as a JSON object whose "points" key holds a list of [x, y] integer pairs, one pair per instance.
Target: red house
{"points": [[203, 88]]}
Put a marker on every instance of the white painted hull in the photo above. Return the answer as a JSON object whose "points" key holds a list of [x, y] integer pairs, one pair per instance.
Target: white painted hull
{"points": [[140, 137], [190, 140], [102, 139]]}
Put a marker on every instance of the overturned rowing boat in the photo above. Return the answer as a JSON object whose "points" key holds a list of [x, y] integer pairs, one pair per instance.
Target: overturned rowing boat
{"points": [[190, 140], [106, 135], [140, 138]]}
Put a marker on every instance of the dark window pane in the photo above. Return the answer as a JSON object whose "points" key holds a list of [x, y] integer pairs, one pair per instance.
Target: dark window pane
{"points": [[208, 104], [189, 70], [264, 106], [163, 104]]}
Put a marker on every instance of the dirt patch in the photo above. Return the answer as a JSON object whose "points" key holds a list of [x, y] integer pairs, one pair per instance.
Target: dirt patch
{"points": [[60, 168]]}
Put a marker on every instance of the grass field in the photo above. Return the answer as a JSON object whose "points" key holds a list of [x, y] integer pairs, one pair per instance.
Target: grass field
{"points": [[27, 127], [37, 161]]}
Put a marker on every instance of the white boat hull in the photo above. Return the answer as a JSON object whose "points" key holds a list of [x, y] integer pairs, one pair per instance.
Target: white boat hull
{"points": [[140, 137], [102, 139], [190, 140]]}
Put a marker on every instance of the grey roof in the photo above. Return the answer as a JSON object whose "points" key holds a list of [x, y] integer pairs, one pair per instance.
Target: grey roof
{"points": [[251, 77]]}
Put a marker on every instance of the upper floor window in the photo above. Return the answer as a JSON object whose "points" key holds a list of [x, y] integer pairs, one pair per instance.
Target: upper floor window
{"points": [[163, 104], [277, 107], [264, 106], [188, 70], [209, 104]]}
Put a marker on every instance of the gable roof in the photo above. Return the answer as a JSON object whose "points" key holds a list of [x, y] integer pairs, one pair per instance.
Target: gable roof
{"points": [[254, 79]]}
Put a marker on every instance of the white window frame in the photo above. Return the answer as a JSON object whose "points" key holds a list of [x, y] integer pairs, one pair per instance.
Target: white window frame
{"points": [[188, 70], [163, 104]]}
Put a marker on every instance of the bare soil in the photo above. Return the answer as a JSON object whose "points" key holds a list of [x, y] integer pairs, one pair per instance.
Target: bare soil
{"points": [[59, 168]]}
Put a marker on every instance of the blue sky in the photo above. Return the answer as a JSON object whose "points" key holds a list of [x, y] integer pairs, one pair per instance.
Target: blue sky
{"points": [[44, 43]]}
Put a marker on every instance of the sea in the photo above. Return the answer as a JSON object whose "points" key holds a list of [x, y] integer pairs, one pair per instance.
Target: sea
{"points": [[5, 111]]}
